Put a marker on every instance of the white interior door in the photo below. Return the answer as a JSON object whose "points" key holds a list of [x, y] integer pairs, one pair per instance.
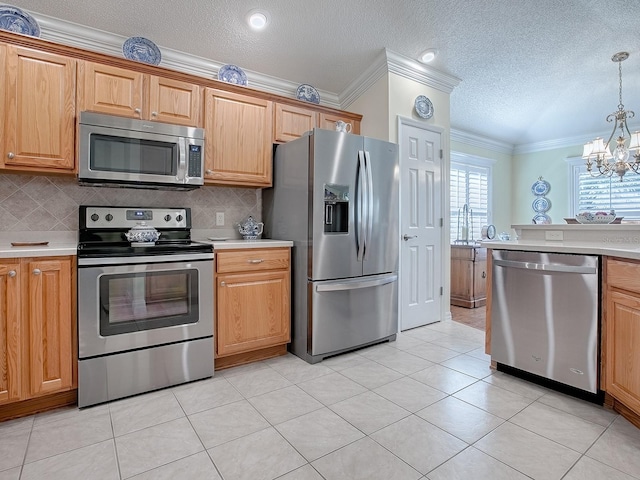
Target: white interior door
{"points": [[420, 225]]}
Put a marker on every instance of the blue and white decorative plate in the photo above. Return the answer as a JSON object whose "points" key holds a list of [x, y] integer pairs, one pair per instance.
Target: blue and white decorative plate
{"points": [[232, 74], [541, 205], [423, 106], [541, 219], [307, 93], [142, 50], [15, 20], [540, 187]]}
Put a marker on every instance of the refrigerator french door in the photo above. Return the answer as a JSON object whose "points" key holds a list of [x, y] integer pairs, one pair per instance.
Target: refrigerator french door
{"points": [[336, 196]]}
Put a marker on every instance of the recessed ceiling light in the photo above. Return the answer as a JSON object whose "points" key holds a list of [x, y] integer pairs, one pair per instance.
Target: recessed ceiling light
{"points": [[428, 55], [257, 20]]}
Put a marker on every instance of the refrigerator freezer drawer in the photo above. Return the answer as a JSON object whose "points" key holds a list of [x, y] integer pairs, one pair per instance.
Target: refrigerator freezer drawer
{"points": [[346, 314]]}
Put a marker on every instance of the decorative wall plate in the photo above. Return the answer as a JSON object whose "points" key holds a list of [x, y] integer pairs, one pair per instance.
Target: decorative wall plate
{"points": [[541, 205], [142, 50], [15, 20], [423, 106], [541, 219], [540, 187], [232, 74], [307, 93]]}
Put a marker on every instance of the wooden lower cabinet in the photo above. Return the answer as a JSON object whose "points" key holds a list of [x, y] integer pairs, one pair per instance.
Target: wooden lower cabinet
{"points": [[253, 313], [37, 325], [621, 336], [468, 276]]}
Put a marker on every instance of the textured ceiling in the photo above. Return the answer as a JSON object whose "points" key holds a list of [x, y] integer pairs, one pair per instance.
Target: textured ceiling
{"points": [[532, 71]]}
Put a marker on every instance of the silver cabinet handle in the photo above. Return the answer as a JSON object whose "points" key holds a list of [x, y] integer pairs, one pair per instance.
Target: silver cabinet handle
{"points": [[12, 273], [154, 114], [209, 172], [37, 271], [258, 260], [406, 237], [223, 284], [11, 155], [137, 110]]}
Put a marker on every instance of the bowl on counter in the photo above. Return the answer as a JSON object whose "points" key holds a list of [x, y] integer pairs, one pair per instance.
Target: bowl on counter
{"points": [[595, 218]]}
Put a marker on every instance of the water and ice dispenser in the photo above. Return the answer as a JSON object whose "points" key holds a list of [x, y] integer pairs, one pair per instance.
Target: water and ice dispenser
{"points": [[336, 208]]}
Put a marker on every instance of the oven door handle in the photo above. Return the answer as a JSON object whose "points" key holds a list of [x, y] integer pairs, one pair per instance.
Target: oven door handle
{"points": [[187, 257]]}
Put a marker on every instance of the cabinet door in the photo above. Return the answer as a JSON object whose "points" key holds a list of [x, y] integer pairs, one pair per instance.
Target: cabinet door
{"points": [[253, 311], [112, 90], [328, 122], [291, 122], [238, 131], [173, 101], [49, 323], [461, 282], [480, 282], [622, 353], [10, 351], [39, 121]]}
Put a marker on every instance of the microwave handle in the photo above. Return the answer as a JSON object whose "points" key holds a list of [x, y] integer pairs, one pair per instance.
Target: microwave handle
{"points": [[182, 161]]}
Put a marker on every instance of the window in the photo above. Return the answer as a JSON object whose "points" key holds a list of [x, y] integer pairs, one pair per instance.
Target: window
{"points": [[603, 193], [470, 185]]}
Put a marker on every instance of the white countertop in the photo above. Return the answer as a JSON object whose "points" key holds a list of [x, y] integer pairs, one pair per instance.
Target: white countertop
{"points": [[66, 243], [612, 240], [236, 244], [60, 243]]}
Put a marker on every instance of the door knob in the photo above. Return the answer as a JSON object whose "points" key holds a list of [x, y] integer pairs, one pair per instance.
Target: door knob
{"points": [[406, 237]]}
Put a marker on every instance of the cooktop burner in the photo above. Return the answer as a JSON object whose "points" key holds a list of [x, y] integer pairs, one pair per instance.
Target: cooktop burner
{"points": [[103, 231]]}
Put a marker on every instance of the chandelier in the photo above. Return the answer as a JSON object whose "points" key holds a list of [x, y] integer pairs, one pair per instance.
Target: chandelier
{"points": [[600, 159]]}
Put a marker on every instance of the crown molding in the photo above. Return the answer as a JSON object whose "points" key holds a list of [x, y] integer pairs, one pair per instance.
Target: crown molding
{"points": [[75, 35], [418, 72], [474, 140], [555, 144], [392, 62]]}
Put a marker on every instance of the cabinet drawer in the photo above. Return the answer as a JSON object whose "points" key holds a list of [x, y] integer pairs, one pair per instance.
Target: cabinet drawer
{"points": [[623, 274], [252, 260]]}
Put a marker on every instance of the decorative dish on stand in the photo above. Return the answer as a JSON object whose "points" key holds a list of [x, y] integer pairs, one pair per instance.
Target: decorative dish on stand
{"points": [[232, 74], [142, 50], [15, 20]]}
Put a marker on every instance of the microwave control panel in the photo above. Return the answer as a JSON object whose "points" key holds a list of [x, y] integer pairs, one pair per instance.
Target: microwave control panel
{"points": [[195, 161]]}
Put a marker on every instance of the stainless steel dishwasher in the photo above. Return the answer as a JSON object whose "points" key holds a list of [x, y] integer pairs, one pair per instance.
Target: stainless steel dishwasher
{"points": [[545, 316]]}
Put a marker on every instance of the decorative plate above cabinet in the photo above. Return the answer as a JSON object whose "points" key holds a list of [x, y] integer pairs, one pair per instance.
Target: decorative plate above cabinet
{"points": [[307, 93], [15, 20], [142, 50], [232, 74]]}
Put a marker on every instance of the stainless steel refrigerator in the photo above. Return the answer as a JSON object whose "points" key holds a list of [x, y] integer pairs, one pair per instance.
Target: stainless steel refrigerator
{"points": [[336, 196]]}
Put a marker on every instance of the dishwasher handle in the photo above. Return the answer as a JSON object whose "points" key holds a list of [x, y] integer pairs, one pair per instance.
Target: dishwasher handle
{"points": [[546, 267]]}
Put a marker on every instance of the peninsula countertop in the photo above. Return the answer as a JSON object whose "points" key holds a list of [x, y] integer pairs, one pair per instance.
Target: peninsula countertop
{"points": [[613, 240]]}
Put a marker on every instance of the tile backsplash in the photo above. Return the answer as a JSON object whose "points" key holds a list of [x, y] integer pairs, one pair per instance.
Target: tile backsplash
{"points": [[40, 203]]}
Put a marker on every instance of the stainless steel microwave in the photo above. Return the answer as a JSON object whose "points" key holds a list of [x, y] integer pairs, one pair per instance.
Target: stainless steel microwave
{"points": [[119, 151]]}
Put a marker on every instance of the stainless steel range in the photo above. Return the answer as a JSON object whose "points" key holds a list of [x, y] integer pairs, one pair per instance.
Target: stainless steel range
{"points": [[145, 310]]}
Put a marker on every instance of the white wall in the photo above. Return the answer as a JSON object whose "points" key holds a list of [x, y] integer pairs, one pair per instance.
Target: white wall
{"points": [[373, 105]]}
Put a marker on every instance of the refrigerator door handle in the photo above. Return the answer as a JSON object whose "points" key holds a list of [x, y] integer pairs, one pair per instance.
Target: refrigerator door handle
{"points": [[341, 286], [362, 198], [369, 205]]}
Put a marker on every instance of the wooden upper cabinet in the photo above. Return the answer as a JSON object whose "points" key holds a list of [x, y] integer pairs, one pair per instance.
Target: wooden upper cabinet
{"points": [[10, 334], [173, 101], [328, 122], [127, 93], [39, 110], [49, 323], [238, 133], [292, 122]]}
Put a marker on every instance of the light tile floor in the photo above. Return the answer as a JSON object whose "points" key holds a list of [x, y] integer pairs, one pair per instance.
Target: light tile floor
{"points": [[426, 406]]}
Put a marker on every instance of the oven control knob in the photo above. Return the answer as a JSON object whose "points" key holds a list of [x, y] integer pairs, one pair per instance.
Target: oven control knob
{"points": [[179, 218], [95, 217], [108, 217], [167, 218]]}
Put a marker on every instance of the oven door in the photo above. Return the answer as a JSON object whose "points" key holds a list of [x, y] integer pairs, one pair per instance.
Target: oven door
{"points": [[133, 303]]}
